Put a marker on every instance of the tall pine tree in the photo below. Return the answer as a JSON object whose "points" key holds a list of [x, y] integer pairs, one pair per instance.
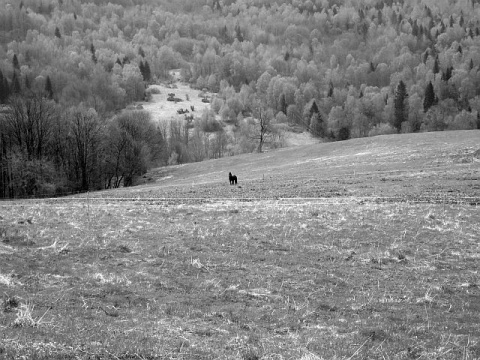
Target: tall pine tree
{"points": [[15, 63], [6, 90], [148, 72], [436, 66], [92, 50], [3, 90], [49, 88], [400, 108], [15, 87], [429, 99]]}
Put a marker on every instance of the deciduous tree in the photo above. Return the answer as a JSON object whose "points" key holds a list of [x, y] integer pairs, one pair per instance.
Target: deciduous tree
{"points": [[85, 145], [263, 117]]}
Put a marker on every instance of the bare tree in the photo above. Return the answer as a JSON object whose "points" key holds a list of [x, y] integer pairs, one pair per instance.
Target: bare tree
{"points": [[263, 117], [29, 124], [85, 140]]}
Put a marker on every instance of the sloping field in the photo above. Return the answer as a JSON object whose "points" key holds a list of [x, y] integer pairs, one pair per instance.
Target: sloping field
{"points": [[381, 261], [411, 167]]}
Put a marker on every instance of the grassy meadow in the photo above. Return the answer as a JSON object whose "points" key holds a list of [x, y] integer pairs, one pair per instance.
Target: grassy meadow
{"points": [[364, 249]]}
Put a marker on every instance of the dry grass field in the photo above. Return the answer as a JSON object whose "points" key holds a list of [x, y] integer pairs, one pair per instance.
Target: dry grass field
{"points": [[364, 249]]}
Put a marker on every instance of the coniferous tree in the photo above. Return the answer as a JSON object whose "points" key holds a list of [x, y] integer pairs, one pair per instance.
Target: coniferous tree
{"points": [[27, 82], [57, 33], [425, 57], [400, 111], [92, 50], [142, 69], [415, 29], [15, 63], [3, 93], [6, 89], [141, 52], [447, 74], [429, 99], [283, 104], [238, 32], [15, 87], [436, 66], [380, 17], [317, 125], [330, 89], [312, 109], [49, 88], [147, 72]]}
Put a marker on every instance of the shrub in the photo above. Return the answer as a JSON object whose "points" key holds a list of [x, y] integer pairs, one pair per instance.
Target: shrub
{"points": [[173, 159], [281, 118], [154, 90], [208, 123], [217, 104], [435, 119], [464, 121], [382, 129], [343, 134]]}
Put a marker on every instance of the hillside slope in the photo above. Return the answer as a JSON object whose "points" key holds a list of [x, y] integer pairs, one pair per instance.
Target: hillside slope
{"points": [[414, 166]]}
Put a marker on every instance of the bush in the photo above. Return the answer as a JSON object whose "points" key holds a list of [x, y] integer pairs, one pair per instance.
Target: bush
{"points": [[343, 134], [173, 159], [217, 104], [208, 123], [464, 121], [382, 129], [435, 120], [281, 118]]}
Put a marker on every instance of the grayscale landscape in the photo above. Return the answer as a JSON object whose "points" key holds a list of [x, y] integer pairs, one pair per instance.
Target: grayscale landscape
{"points": [[352, 128]]}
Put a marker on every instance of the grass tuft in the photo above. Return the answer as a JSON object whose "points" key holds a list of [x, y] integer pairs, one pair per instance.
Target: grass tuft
{"points": [[24, 316]]}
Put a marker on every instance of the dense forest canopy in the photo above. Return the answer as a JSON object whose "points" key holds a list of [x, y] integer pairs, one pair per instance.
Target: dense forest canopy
{"points": [[340, 69]]}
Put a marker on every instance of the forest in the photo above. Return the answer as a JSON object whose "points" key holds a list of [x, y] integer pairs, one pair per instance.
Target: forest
{"points": [[338, 69]]}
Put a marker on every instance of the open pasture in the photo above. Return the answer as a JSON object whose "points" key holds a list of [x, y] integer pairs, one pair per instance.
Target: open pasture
{"points": [[182, 269]]}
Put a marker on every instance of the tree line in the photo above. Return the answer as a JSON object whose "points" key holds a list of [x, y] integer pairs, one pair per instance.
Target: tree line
{"points": [[46, 150]]}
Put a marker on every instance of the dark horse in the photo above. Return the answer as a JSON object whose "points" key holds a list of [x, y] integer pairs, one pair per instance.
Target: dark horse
{"points": [[232, 178]]}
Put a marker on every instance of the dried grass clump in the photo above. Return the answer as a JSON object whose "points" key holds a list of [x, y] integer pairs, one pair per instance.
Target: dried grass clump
{"points": [[25, 316]]}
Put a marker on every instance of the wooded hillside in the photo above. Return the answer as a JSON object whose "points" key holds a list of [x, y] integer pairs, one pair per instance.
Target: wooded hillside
{"points": [[340, 69]]}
